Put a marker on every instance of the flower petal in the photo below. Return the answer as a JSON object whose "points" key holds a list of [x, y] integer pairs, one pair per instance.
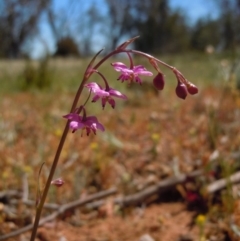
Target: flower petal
{"points": [[117, 94], [100, 127], [75, 125], [94, 87], [138, 80], [73, 116], [111, 101], [102, 93], [92, 122], [104, 100], [95, 98], [119, 66], [140, 69], [123, 77]]}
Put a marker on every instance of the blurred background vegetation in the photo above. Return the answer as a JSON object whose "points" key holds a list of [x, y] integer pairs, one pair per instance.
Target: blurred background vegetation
{"points": [[45, 46], [42, 32], [77, 27]]}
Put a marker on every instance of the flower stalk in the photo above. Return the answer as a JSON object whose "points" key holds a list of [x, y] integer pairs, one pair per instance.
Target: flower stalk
{"points": [[76, 121]]}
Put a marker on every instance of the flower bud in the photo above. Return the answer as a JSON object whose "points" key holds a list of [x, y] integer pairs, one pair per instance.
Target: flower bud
{"points": [[192, 89], [57, 182], [158, 81], [181, 90]]}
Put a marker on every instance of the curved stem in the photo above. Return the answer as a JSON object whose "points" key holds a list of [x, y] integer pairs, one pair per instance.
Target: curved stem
{"points": [[130, 59], [104, 79], [117, 51], [149, 57]]}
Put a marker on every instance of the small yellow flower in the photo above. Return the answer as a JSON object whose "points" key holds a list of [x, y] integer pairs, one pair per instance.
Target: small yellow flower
{"points": [[27, 169], [94, 145], [5, 174], [58, 132], [155, 137], [201, 219]]}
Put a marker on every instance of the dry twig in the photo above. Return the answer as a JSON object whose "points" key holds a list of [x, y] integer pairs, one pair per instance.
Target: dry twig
{"points": [[62, 208], [129, 200]]}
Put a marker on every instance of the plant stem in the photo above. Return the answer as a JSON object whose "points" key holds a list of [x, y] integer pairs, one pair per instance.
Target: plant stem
{"points": [[150, 57], [45, 191], [54, 165], [66, 129]]}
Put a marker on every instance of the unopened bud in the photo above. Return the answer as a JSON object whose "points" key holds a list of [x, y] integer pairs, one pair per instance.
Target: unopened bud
{"points": [[192, 89], [181, 90], [57, 182], [158, 81]]}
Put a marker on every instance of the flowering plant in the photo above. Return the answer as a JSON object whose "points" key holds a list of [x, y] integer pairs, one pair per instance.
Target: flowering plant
{"points": [[77, 118]]}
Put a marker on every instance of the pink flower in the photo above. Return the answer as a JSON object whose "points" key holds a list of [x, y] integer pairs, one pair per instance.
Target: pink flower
{"points": [[106, 95], [130, 74], [89, 123]]}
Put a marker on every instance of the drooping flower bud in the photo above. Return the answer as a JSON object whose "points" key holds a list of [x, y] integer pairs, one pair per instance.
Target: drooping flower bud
{"points": [[181, 90], [159, 81], [192, 89], [57, 182]]}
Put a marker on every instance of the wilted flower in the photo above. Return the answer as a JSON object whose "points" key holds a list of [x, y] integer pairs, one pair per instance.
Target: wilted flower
{"points": [[181, 90], [131, 74], [158, 81], [57, 182], [106, 95], [89, 123]]}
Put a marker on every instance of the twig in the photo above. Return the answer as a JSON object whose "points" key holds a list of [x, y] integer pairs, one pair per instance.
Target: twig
{"points": [[62, 208], [165, 185], [136, 198], [25, 187], [9, 194], [222, 183], [129, 200], [50, 206], [140, 196], [161, 186], [123, 201]]}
